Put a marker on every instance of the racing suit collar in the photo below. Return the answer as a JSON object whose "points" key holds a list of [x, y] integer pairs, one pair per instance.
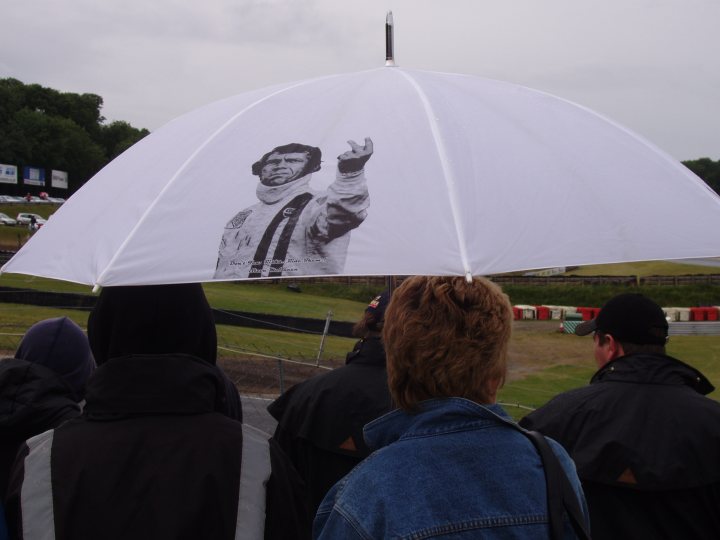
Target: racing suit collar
{"points": [[273, 194]]}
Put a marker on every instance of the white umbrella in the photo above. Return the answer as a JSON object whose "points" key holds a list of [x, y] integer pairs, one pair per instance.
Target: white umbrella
{"points": [[467, 176]]}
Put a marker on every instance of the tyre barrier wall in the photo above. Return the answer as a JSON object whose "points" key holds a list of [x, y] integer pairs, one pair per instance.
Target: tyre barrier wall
{"points": [[681, 321], [233, 318], [673, 314]]}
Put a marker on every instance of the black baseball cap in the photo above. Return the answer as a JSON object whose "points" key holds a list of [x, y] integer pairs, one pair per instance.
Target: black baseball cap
{"points": [[629, 317]]}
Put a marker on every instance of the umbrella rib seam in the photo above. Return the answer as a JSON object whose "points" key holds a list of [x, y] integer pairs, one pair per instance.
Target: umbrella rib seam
{"points": [[447, 169]]}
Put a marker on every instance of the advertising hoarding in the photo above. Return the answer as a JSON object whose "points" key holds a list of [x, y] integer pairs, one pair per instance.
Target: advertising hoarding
{"points": [[8, 174], [59, 179], [33, 176]]}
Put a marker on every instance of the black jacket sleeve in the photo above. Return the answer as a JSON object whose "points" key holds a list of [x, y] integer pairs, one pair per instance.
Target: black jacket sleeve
{"points": [[286, 513]]}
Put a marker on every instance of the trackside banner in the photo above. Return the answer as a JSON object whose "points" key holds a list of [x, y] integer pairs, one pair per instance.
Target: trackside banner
{"points": [[33, 176], [59, 179], [8, 174]]}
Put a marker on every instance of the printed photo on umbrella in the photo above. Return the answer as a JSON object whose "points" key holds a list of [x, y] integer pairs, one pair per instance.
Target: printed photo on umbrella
{"points": [[293, 229]]}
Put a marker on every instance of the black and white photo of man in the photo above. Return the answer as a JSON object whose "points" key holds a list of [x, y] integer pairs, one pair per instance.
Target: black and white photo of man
{"points": [[295, 230]]}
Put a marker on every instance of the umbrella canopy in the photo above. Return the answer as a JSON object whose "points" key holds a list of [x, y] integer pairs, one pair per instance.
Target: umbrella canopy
{"points": [[444, 174]]}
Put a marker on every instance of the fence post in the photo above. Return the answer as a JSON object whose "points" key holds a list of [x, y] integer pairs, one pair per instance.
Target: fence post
{"points": [[322, 339], [281, 370]]}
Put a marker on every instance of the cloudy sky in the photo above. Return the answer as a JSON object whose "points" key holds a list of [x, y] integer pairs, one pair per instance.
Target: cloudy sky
{"points": [[651, 65]]}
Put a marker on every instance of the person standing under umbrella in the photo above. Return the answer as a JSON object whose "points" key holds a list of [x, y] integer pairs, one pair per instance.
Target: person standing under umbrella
{"points": [[42, 387], [450, 462], [320, 420], [294, 230], [154, 454], [643, 434]]}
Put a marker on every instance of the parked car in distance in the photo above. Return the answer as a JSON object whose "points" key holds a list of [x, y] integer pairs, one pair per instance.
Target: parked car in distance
{"points": [[24, 218], [7, 220]]}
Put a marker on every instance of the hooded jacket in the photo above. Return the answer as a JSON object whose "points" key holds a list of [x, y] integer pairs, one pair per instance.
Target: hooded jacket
{"points": [[62, 346], [40, 388], [321, 420], [646, 442], [154, 454]]}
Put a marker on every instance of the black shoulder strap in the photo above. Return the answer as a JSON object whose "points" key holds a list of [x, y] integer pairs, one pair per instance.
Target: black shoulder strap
{"points": [[560, 493]]}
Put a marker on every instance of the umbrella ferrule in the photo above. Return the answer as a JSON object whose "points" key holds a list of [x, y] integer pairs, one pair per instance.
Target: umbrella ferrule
{"points": [[389, 54]]}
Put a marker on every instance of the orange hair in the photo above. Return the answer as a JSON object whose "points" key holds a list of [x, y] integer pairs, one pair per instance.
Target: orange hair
{"points": [[445, 337]]}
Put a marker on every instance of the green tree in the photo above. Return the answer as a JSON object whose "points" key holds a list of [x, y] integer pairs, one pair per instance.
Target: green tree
{"points": [[40, 139], [708, 170], [118, 137], [46, 128]]}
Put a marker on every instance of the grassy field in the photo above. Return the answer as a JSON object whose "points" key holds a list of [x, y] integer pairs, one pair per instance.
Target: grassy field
{"points": [[347, 303], [12, 237], [542, 361], [274, 299], [646, 268]]}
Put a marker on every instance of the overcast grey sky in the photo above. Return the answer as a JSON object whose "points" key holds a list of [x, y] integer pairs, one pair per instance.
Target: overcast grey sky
{"points": [[651, 65]]}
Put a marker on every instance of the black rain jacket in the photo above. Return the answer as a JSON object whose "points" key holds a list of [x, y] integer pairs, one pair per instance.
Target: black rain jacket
{"points": [[154, 454], [321, 420], [646, 443], [33, 399]]}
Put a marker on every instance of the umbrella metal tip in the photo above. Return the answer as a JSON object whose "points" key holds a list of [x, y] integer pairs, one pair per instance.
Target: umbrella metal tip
{"points": [[389, 54]]}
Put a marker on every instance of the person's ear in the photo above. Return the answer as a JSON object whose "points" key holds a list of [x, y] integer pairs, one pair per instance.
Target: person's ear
{"points": [[615, 348]]}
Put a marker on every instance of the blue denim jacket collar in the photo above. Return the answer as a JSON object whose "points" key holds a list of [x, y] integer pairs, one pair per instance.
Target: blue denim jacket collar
{"points": [[440, 415]]}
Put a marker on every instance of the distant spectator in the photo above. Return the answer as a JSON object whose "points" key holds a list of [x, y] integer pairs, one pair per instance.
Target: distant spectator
{"points": [[32, 225], [450, 463], [320, 420], [43, 386], [154, 454], [645, 438]]}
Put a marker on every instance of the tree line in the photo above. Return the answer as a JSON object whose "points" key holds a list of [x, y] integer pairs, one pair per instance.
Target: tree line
{"points": [[46, 128], [708, 170]]}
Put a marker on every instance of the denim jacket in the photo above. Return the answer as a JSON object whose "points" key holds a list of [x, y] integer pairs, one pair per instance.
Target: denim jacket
{"points": [[453, 470]]}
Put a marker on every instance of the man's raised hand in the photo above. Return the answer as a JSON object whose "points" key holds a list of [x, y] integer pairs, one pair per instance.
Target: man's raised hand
{"points": [[354, 159]]}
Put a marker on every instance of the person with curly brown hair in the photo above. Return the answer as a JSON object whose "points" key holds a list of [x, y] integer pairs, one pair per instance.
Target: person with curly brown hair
{"points": [[449, 462]]}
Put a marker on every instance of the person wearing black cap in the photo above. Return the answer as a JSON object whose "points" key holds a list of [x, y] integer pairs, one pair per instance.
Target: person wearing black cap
{"points": [[155, 453], [644, 437], [293, 230], [321, 420]]}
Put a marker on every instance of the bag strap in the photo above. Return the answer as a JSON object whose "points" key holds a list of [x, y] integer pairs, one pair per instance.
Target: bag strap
{"points": [[560, 493]]}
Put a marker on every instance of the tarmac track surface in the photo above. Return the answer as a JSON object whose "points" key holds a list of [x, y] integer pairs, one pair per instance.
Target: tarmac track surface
{"points": [[255, 413]]}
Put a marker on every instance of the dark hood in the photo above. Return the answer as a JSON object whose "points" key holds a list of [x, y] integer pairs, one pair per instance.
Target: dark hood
{"points": [[60, 345], [33, 398], [152, 319]]}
